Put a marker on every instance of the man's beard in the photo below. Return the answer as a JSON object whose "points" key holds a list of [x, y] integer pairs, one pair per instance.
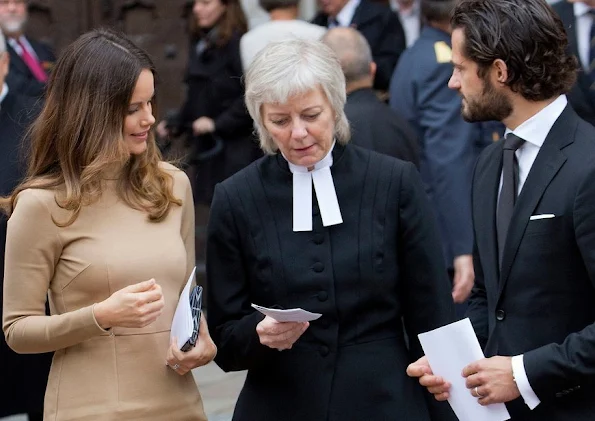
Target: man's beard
{"points": [[491, 105], [13, 26]]}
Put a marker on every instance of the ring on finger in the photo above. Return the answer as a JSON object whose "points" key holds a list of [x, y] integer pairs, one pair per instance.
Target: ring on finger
{"points": [[477, 394], [175, 366]]}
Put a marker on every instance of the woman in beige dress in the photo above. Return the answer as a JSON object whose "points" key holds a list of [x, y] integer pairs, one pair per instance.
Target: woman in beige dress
{"points": [[106, 230]]}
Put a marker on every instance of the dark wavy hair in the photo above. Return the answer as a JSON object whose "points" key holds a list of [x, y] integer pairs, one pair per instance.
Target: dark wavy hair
{"points": [[233, 23], [78, 137], [527, 35]]}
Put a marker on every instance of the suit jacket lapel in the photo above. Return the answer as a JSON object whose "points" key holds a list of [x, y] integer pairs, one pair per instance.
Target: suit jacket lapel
{"points": [[16, 60], [548, 162], [484, 215]]}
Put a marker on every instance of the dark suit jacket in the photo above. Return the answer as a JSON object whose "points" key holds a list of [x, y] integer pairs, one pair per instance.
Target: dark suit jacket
{"points": [[384, 32], [542, 303], [382, 263], [23, 377], [20, 79], [582, 94], [375, 126], [450, 146]]}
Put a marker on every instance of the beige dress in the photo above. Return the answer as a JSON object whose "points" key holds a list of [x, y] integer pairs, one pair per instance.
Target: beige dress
{"points": [[95, 374]]}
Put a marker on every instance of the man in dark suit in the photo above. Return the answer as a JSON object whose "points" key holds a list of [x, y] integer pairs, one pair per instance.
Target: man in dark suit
{"points": [[533, 304], [23, 377], [580, 28], [377, 23], [449, 145], [373, 124], [30, 60]]}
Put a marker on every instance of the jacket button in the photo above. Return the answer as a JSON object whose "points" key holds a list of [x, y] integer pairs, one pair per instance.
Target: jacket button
{"points": [[318, 239], [318, 267], [322, 296], [500, 315], [324, 350]]}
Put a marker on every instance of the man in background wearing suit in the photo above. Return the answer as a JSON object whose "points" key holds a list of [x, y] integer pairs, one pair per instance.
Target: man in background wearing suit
{"points": [[30, 60], [578, 19], [377, 23], [533, 304], [23, 378], [449, 145], [373, 124]]}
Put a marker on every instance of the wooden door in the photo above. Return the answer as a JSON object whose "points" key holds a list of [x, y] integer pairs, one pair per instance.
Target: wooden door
{"points": [[161, 27]]}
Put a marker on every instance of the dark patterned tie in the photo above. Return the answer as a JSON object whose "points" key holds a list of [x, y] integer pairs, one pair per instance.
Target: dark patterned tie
{"points": [[508, 194], [591, 68]]}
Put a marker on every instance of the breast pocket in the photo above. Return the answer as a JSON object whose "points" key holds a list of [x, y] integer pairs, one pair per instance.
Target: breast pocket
{"points": [[545, 226]]}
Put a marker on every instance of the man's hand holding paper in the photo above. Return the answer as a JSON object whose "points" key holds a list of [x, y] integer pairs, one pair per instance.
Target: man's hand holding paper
{"points": [[492, 377], [474, 386], [491, 380]]}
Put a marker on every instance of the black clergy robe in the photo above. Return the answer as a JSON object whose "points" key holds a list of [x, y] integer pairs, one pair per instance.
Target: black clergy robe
{"points": [[383, 264]]}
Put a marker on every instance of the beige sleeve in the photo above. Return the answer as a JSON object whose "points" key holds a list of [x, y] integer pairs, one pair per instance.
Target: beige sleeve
{"points": [[33, 249], [188, 228]]}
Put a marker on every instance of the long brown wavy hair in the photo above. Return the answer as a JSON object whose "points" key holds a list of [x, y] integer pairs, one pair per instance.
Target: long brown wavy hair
{"points": [[77, 140]]}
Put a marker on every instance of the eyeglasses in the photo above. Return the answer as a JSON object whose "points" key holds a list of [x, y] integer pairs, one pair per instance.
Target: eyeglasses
{"points": [[6, 3]]}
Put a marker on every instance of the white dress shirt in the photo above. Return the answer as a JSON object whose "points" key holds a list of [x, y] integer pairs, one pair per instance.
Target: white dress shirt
{"points": [[533, 131], [584, 20], [345, 16], [17, 48], [3, 93], [410, 20]]}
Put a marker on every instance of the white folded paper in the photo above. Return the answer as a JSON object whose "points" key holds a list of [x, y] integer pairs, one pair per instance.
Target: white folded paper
{"points": [[290, 315], [449, 349], [182, 324]]}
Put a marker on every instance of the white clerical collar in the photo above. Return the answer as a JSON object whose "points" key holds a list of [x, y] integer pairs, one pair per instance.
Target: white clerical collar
{"points": [[325, 194]]}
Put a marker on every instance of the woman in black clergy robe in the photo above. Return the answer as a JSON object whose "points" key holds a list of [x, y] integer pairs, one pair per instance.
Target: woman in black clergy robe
{"points": [[331, 228]]}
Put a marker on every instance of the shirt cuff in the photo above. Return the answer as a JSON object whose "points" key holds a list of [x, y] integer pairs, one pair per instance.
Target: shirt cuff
{"points": [[522, 382], [3, 92]]}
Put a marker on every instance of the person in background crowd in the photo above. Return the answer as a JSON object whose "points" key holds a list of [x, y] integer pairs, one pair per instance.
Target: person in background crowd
{"points": [[214, 115], [284, 24], [533, 304], [419, 92], [373, 124], [270, 243], [410, 17], [108, 229], [30, 60], [578, 19], [23, 377], [377, 23]]}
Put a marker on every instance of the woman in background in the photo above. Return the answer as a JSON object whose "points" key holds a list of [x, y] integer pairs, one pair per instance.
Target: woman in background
{"points": [[214, 115]]}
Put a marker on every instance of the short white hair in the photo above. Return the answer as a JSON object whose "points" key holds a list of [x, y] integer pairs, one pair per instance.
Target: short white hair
{"points": [[294, 67]]}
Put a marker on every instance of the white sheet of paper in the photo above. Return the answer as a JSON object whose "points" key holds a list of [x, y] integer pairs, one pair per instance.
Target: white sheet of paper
{"points": [[183, 323], [290, 315], [449, 349]]}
